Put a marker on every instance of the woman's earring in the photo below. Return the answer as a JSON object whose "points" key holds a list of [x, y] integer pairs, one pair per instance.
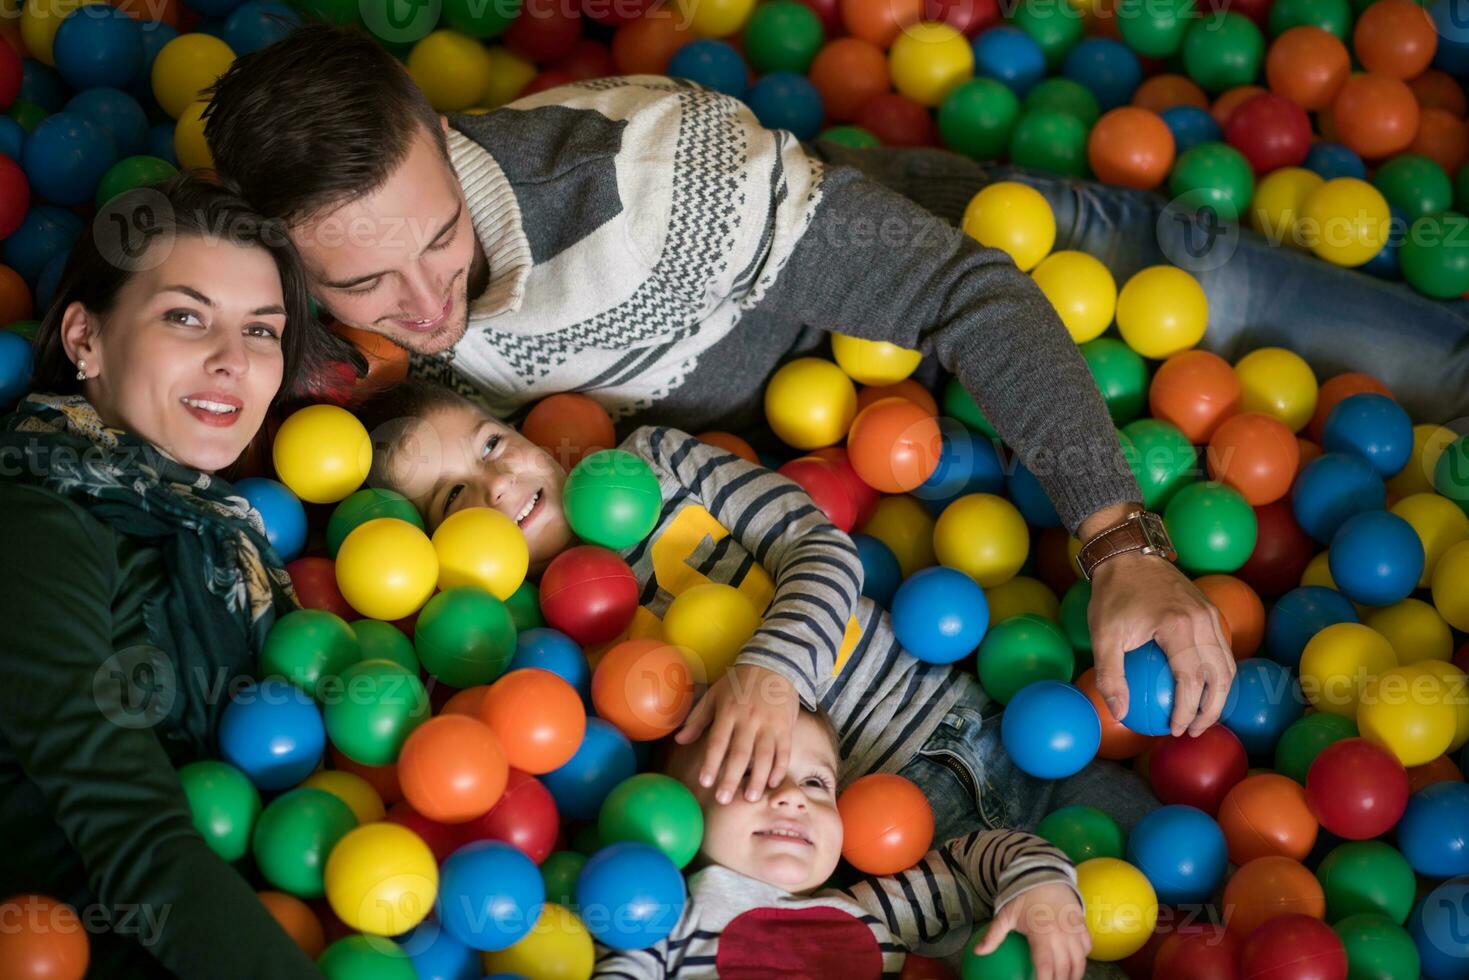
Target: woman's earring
{"points": [[81, 370]]}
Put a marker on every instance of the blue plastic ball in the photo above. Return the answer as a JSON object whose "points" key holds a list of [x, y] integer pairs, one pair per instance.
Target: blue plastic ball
{"points": [[1332, 488], [490, 895], [1440, 929], [281, 511], [41, 84], [1451, 23], [436, 955], [940, 614], [785, 100], [1376, 558], [1051, 730], [552, 650], [45, 231], [17, 363], [714, 65], [1030, 498], [1433, 833], [1191, 126], [1108, 69], [1374, 427], [160, 143], [50, 279], [1149, 689], [630, 895], [66, 157], [881, 573], [604, 759], [258, 24], [1333, 160], [98, 44], [1387, 263], [1009, 56], [1299, 615], [968, 463], [1263, 701], [155, 38], [118, 113], [1182, 852], [273, 733], [12, 138]]}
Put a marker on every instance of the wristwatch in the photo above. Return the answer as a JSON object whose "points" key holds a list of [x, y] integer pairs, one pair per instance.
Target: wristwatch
{"points": [[1141, 531]]}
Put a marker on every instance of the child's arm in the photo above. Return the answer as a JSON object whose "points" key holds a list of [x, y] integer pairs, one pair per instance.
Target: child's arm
{"points": [[818, 580], [632, 964]]}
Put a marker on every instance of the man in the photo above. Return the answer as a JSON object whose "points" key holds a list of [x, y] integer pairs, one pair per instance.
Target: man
{"points": [[648, 243]]}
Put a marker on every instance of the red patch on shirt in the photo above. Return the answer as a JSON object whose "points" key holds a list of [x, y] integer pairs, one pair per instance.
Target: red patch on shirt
{"points": [[820, 943]]}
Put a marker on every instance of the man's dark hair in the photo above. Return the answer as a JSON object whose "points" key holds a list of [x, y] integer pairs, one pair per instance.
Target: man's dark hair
{"points": [[318, 118]]}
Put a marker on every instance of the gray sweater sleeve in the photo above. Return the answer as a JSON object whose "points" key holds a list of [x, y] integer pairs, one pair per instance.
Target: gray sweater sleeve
{"points": [[874, 264]]}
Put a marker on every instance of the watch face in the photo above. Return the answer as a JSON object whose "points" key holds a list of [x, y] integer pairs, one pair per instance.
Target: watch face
{"points": [[1155, 533]]}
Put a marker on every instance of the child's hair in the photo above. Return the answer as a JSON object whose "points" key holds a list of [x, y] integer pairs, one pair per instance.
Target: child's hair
{"points": [[392, 415]]}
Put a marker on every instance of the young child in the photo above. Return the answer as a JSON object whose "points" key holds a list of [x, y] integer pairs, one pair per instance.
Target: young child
{"points": [[757, 908], [821, 644]]}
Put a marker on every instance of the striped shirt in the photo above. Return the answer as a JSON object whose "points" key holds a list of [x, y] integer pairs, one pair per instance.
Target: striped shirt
{"points": [[734, 926], [729, 521]]}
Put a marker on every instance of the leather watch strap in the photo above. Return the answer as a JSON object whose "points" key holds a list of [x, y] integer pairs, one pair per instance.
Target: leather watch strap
{"points": [[1140, 531]]}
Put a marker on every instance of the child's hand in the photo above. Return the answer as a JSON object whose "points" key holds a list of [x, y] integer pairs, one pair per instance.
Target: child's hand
{"points": [[750, 712], [1053, 920]]}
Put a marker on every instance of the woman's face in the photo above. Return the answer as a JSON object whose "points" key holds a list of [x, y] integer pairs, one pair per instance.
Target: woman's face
{"points": [[190, 357]]}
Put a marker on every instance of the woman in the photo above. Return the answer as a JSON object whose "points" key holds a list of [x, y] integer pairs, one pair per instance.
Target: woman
{"points": [[140, 584]]}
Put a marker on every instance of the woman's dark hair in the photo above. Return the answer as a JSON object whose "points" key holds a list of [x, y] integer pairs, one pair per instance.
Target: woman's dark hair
{"points": [[123, 241]]}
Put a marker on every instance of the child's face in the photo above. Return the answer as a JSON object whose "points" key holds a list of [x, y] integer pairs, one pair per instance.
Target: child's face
{"points": [[460, 457], [792, 836]]}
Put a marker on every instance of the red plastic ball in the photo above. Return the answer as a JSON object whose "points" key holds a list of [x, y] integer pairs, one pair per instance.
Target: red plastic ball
{"points": [[863, 496], [315, 581], [917, 967], [615, 13], [887, 824], [1294, 947], [1199, 952], [15, 196], [1271, 131], [830, 12], [1356, 789], [896, 120], [589, 594], [441, 838], [525, 818], [1282, 551], [544, 31], [826, 487], [588, 59], [547, 80], [645, 46], [968, 17], [1198, 771]]}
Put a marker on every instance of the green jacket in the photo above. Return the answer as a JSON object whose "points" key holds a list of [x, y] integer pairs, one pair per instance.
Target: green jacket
{"points": [[91, 811]]}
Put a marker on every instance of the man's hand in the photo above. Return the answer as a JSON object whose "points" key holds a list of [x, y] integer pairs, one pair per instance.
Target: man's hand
{"points": [[750, 713], [1052, 919]]}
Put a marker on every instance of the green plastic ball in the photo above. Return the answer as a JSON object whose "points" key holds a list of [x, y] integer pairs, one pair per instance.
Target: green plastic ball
{"points": [[24, 328], [783, 35], [1074, 623], [1414, 185], [654, 809], [1022, 650], [1221, 51], [1055, 27], [130, 172], [1051, 141], [1009, 961], [306, 646], [363, 506], [854, 137], [224, 804], [1461, 188], [525, 607], [1451, 473], [1156, 29], [1162, 460], [1329, 15], [1367, 876], [1083, 832], [1302, 742], [372, 709], [959, 404], [294, 835], [612, 499], [1121, 375], [464, 637], [1377, 949], [366, 958], [27, 113], [480, 18], [1064, 95], [399, 24], [1212, 527], [384, 641], [976, 118], [559, 873], [1435, 255], [1214, 175]]}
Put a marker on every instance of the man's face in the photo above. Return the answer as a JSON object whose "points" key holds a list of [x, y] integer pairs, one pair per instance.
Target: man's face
{"points": [[402, 261]]}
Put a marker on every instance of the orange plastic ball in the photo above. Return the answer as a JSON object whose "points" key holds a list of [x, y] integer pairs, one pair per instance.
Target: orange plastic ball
{"points": [[644, 688], [1131, 147], [1436, 89], [466, 702], [645, 46], [452, 769], [894, 445], [1166, 91], [1442, 138], [42, 939], [1395, 37], [387, 363], [1256, 454], [569, 427], [879, 21], [1267, 815], [1269, 887], [887, 824], [1231, 100], [907, 388], [15, 297], [1375, 115], [1118, 741], [730, 443], [538, 718], [297, 919], [847, 72], [1334, 390], [383, 779], [1307, 65], [1195, 391], [1440, 770], [1309, 450], [1240, 608]]}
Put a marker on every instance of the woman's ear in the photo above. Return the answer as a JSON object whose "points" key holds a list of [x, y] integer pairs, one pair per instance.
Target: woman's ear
{"points": [[79, 338]]}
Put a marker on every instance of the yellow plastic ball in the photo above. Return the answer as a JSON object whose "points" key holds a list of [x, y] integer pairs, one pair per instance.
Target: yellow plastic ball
{"points": [[387, 568], [1121, 907], [1279, 202], [187, 66], [1021, 595], [453, 71], [714, 621], [1451, 586], [810, 403], [558, 947], [1081, 289], [1407, 710], [1345, 221], [351, 789], [1429, 442], [509, 75], [322, 453], [983, 536], [1318, 572], [873, 362], [189, 144], [1338, 664], [1457, 695], [1280, 384], [482, 547], [715, 18], [381, 879], [1162, 310], [906, 527], [1014, 218], [1440, 525], [39, 22], [1415, 629], [928, 60]]}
